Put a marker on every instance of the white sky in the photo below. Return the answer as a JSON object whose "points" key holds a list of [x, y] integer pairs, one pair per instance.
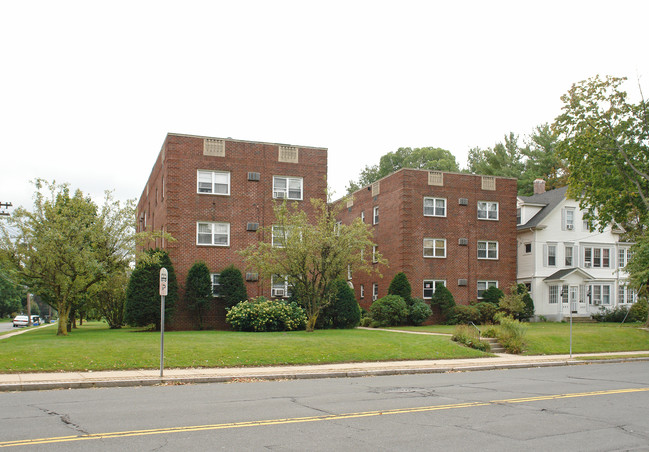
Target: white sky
{"points": [[89, 89]]}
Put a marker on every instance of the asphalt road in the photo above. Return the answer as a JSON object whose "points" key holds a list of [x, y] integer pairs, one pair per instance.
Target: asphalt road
{"points": [[601, 407], [6, 326]]}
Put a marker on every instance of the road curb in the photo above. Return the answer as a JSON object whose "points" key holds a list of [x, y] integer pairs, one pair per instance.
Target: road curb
{"points": [[243, 377]]}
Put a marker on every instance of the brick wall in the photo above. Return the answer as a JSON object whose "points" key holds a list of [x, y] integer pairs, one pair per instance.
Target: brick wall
{"points": [[249, 201]]}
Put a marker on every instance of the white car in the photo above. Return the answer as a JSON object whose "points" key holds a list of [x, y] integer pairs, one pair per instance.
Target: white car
{"points": [[21, 320]]}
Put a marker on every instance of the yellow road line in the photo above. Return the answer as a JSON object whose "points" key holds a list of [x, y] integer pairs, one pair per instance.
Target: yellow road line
{"points": [[331, 417]]}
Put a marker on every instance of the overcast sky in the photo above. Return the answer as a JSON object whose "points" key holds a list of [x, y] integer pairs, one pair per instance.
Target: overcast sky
{"points": [[91, 88]]}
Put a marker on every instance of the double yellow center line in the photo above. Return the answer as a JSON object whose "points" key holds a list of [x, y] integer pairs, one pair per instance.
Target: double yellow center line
{"points": [[331, 417]]}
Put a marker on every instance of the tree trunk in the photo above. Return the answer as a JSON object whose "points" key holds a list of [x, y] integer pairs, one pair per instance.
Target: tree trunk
{"points": [[64, 312]]}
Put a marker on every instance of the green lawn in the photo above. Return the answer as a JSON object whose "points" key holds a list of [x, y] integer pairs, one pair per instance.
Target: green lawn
{"points": [[95, 347]]}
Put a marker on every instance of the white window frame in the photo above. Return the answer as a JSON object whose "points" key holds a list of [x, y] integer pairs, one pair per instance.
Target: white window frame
{"points": [[375, 248], [212, 175], [569, 252], [595, 256], [216, 284], [281, 285], [568, 219], [600, 294], [212, 226], [363, 216], [278, 237], [553, 294], [375, 215], [624, 256], [433, 245], [285, 192], [626, 295], [485, 210], [432, 287], [435, 208], [490, 251], [362, 291], [375, 292], [551, 247], [487, 284]]}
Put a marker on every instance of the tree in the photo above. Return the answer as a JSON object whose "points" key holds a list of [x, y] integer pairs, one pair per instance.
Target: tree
{"points": [[528, 311], [638, 266], [542, 161], [11, 292], [232, 289], [109, 298], [429, 158], [605, 142], [313, 252], [443, 298], [401, 286], [343, 311], [512, 303], [142, 296], [198, 290], [505, 159], [65, 245]]}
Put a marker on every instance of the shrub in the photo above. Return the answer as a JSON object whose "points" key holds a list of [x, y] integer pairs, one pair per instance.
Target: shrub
{"points": [[198, 290], [512, 303], [418, 312], [616, 315], [401, 286], [343, 311], [639, 311], [487, 311], [390, 310], [261, 315], [528, 310], [468, 336], [462, 314], [492, 295], [511, 334], [232, 289], [142, 295], [443, 298]]}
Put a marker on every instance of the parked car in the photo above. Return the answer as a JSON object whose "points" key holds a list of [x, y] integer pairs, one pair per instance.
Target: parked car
{"points": [[21, 320]]}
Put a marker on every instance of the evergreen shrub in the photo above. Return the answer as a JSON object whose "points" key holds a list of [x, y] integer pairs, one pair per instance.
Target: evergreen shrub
{"points": [[263, 315]]}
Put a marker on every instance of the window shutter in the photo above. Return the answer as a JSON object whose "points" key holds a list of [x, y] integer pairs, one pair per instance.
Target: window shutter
{"points": [[575, 256], [545, 255], [563, 219]]}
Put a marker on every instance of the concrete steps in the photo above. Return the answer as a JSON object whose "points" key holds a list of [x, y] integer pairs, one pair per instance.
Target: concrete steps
{"points": [[493, 344]]}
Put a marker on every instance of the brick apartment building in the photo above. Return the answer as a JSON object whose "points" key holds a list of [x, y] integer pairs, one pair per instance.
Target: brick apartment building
{"points": [[457, 229], [213, 194]]}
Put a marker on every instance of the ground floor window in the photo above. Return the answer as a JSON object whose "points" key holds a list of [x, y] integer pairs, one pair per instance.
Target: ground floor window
{"points": [[215, 284], [484, 285], [600, 294], [430, 285], [554, 295], [626, 294], [375, 292]]}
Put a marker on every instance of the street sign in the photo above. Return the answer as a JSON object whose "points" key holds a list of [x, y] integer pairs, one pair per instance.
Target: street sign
{"points": [[164, 277]]}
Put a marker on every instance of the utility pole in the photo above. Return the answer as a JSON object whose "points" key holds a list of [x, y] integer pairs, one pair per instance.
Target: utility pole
{"points": [[4, 205]]}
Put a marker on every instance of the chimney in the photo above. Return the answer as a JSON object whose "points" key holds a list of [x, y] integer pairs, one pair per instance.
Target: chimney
{"points": [[539, 186]]}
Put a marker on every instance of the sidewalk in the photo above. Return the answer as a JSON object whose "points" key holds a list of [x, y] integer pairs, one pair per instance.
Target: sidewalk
{"points": [[125, 378]]}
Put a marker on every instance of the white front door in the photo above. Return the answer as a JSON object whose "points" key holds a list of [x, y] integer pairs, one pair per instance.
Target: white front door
{"points": [[573, 295]]}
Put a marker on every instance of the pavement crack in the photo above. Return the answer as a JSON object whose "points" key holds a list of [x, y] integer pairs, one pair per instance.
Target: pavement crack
{"points": [[65, 419], [319, 410]]}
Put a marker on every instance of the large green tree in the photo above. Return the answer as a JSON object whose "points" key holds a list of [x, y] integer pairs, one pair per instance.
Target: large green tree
{"points": [[232, 289], [604, 139], [429, 158], [198, 290], [65, 244], [313, 252]]}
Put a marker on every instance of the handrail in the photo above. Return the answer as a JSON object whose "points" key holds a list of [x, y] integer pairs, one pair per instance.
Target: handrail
{"points": [[479, 333]]}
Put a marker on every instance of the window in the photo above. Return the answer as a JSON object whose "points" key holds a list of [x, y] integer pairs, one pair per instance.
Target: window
{"points": [[337, 227], [376, 215], [600, 294], [434, 207], [375, 292], [624, 257], [217, 234], [362, 291], [484, 285], [487, 210], [487, 250], [568, 255], [552, 255], [434, 247], [568, 219], [216, 286], [554, 295], [279, 237], [626, 294], [519, 218], [430, 285], [528, 248], [287, 187], [375, 259], [280, 287], [213, 182], [597, 257], [349, 272], [363, 216]]}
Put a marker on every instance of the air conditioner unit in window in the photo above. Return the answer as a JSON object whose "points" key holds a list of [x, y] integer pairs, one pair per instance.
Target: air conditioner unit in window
{"points": [[463, 241], [252, 276], [253, 176], [279, 194], [252, 226], [569, 227], [464, 201], [277, 292], [587, 264], [597, 302], [462, 282]]}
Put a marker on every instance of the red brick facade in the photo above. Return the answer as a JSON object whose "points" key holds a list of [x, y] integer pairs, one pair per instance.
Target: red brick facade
{"points": [[171, 202], [402, 228]]}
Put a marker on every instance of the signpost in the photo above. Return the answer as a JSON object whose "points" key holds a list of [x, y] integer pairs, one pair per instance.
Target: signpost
{"points": [[164, 278]]}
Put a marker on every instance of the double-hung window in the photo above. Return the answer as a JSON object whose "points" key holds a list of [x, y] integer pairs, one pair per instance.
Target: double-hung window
{"points": [[568, 219], [600, 294], [213, 182], [487, 249], [597, 257], [434, 247], [216, 285], [484, 285], [552, 255], [375, 292], [287, 187], [434, 207], [216, 234], [626, 294], [375, 216], [487, 210], [624, 257], [279, 237], [430, 285], [568, 254], [375, 258]]}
